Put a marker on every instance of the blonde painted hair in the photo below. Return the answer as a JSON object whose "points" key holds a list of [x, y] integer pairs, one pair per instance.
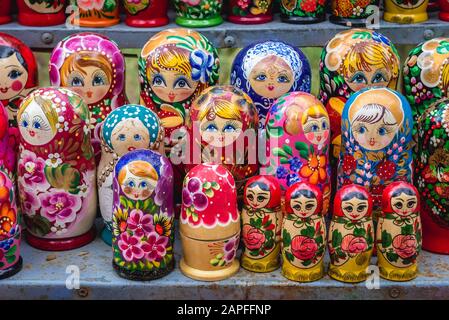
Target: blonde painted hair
{"points": [[445, 78], [222, 108], [79, 60], [373, 113], [314, 112], [140, 169], [47, 108]]}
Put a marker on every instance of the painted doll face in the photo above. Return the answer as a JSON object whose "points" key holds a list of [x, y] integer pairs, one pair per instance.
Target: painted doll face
{"points": [[404, 204], [129, 135], [354, 208], [172, 86], [316, 130], [220, 132], [271, 77], [361, 79], [138, 188], [13, 77], [34, 125], [304, 207], [91, 83], [257, 198]]}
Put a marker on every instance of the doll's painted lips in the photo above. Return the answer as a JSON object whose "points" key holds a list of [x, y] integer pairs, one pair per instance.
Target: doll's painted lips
{"points": [[89, 94], [32, 133], [4, 90], [131, 148], [355, 216], [372, 142], [318, 138], [271, 88], [171, 96]]}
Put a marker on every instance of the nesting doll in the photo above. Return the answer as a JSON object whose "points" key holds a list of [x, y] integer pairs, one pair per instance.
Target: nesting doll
{"points": [[298, 134], [268, 70], [444, 5], [5, 11], [351, 61], [351, 234], [41, 13], [209, 224], [426, 75], [18, 74], [145, 13], [432, 176], [223, 130], [93, 66], [97, 14], [198, 13], [143, 218], [125, 129], [409, 11], [303, 11], [250, 12], [9, 137], [398, 235], [303, 233], [56, 170], [354, 13], [376, 127], [261, 224]]}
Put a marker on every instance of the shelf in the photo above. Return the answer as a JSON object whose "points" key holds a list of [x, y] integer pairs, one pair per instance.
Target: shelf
{"points": [[229, 35], [42, 279]]}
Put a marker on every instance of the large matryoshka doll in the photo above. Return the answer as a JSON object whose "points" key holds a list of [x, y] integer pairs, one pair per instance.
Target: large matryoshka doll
{"points": [[303, 234], [354, 13], [298, 143], [41, 13], [261, 224], [93, 66], [432, 176], [376, 150], [56, 170], [18, 74], [223, 129], [351, 61], [351, 234], [125, 129], [143, 217], [268, 70], [209, 224], [399, 234]]}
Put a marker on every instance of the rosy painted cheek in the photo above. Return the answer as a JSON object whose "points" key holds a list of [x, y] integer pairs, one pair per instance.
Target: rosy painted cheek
{"points": [[310, 136], [326, 134], [17, 85]]}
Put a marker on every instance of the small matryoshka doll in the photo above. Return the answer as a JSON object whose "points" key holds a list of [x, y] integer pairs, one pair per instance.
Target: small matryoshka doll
{"points": [[223, 130], [351, 61], [125, 129], [18, 74], [250, 12], [143, 217], [351, 234], [93, 66], [97, 13], [376, 141], [303, 11], [145, 13], [432, 176], [298, 143], [399, 232], [406, 11], [5, 11], [261, 224], [268, 70], [303, 234], [354, 13], [41, 13], [56, 170], [209, 224], [444, 6], [198, 13]]}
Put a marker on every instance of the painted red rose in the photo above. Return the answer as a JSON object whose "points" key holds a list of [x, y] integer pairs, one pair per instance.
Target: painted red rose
{"points": [[304, 248], [349, 164], [353, 245], [252, 237], [404, 245], [308, 5]]}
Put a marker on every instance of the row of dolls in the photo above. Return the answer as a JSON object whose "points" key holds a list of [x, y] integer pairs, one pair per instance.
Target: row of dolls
{"points": [[207, 13]]}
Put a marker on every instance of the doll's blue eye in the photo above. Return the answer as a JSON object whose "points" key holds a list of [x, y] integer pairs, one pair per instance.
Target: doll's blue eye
{"points": [[359, 78], [131, 184], [261, 77], [379, 77], [283, 79], [122, 137], [24, 123], [159, 81], [315, 128], [77, 82], [362, 130], [229, 128], [211, 127], [324, 125], [36, 125], [137, 137], [143, 184], [382, 131], [14, 74], [98, 81], [181, 83]]}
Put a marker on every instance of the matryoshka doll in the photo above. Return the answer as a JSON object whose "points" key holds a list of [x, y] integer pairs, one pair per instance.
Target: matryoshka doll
{"points": [[143, 217], [353, 13], [376, 141], [399, 234], [408, 11], [93, 66], [198, 13], [303, 11], [56, 170], [298, 134], [9, 138], [209, 224], [223, 130], [351, 61], [250, 12], [261, 224], [268, 70], [18, 74], [351, 234], [444, 6], [125, 129], [303, 234], [96, 14], [5, 11], [432, 176], [145, 13], [41, 13]]}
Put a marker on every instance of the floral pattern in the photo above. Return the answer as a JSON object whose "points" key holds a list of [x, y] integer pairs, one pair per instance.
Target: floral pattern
{"points": [[304, 8], [136, 6], [354, 9], [250, 8], [103, 9], [198, 9], [223, 252]]}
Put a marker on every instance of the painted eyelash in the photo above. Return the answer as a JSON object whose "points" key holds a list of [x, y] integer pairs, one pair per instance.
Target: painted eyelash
{"points": [[102, 74], [158, 76], [358, 74], [44, 125], [308, 125], [234, 123], [358, 126]]}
